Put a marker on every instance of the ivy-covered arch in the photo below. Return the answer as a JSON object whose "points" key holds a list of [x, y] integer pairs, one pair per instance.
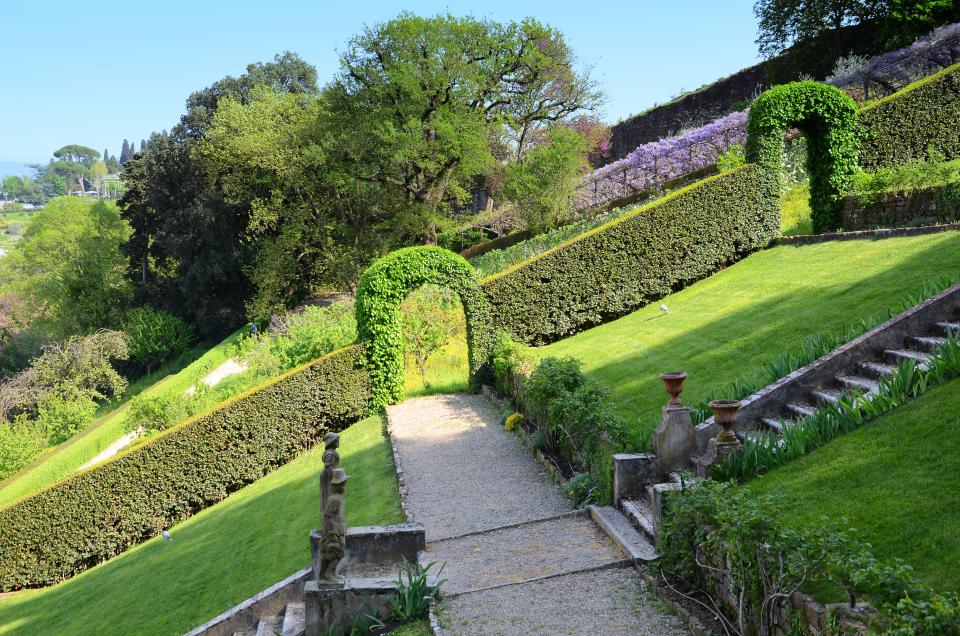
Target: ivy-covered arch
{"points": [[829, 119], [384, 286]]}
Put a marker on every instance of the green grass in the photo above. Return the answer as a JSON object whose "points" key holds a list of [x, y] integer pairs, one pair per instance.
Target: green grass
{"points": [[63, 460], [447, 372], [795, 211], [896, 480], [219, 557], [732, 324], [416, 628]]}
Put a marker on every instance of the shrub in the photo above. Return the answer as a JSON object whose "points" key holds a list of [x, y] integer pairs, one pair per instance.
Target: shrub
{"points": [[909, 125], [432, 318], [829, 120], [20, 441], [577, 422], [513, 422], [732, 158], [156, 412], [154, 336], [62, 415], [105, 510], [637, 258], [384, 286], [314, 332]]}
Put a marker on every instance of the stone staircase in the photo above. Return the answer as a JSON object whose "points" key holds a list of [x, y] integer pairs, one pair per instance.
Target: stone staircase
{"points": [[290, 622], [859, 378], [853, 369]]}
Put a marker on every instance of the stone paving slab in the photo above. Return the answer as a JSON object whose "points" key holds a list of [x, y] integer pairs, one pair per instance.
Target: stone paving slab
{"points": [[463, 472], [521, 553], [606, 602]]}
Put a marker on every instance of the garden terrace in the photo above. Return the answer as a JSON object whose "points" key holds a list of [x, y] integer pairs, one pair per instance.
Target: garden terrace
{"points": [[892, 480], [731, 326], [217, 558]]}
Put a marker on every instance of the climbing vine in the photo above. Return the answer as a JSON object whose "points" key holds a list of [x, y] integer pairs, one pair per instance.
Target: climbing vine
{"points": [[830, 121], [383, 287]]}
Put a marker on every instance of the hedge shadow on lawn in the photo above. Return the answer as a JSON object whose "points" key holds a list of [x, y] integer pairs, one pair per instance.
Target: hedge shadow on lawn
{"points": [[753, 330]]}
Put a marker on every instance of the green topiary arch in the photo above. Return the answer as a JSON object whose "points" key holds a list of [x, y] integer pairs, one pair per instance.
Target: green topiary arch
{"points": [[383, 287], [830, 120]]}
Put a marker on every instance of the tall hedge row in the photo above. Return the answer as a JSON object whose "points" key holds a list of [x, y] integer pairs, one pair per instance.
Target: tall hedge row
{"points": [[907, 125], [638, 258], [107, 509]]}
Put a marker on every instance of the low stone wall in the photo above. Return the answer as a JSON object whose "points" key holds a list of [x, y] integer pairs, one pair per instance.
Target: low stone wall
{"points": [[926, 206], [370, 545]]}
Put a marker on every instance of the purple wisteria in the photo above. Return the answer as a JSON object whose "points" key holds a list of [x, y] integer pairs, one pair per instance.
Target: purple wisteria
{"points": [[652, 165]]}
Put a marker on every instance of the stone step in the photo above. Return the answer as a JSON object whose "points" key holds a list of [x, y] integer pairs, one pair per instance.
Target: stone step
{"points": [[801, 409], [774, 425], [900, 355], [639, 514], [859, 384], [826, 396], [294, 620], [877, 369], [616, 526], [521, 553], [949, 327], [268, 626], [929, 343]]}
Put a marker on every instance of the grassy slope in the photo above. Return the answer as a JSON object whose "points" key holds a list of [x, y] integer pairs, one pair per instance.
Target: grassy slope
{"points": [[63, 460], [896, 480], [219, 557], [732, 323]]}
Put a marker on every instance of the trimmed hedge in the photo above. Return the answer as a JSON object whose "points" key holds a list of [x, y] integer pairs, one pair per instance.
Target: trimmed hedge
{"points": [[907, 125], [109, 508], [829, 119], [637, 258], [383, 287]]}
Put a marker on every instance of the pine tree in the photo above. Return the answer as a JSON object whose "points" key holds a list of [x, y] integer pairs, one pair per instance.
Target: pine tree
{"points": [[143, 145], [125, 152]]}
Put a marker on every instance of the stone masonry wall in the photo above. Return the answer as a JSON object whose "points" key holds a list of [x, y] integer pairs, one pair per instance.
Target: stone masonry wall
{"points": [[927, 206], [693, 109]]}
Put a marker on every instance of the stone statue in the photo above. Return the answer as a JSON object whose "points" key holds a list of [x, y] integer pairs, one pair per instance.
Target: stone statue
{"points": [[331, 462], [333, 545]]}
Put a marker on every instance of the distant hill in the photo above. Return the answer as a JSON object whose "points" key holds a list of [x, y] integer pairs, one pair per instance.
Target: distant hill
{"points": [[8, 168]]}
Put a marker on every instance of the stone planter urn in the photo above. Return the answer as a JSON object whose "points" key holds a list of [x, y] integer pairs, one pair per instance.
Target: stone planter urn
{"points": [[724, 414], [673, 383]]}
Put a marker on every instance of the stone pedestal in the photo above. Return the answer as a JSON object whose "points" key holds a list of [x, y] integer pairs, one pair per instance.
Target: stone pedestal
{"points": [[372, 545], [674, 441], [716, 452], [331, 605]]}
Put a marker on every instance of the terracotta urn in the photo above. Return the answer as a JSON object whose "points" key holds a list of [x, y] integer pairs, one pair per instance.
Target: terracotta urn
{"points": [[673, 383], [724, 414]]}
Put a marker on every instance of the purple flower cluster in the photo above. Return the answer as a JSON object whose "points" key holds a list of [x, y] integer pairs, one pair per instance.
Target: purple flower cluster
{"points": [[651, 165], [889, 72]]}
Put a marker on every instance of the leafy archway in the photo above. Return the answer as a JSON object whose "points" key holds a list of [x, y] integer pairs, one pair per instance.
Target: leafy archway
{"points": [[830, 121], [382, 289]]}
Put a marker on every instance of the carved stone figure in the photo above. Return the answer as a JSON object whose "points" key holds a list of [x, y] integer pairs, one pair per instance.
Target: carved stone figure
{"points": [[333, 545], [331, 462]]}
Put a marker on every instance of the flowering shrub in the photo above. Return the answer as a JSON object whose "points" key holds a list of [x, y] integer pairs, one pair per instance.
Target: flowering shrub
{"points": [[653, 164]]}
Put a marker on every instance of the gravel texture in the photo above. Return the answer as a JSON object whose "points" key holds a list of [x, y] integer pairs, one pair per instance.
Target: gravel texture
{"points": [[614, 602], [463, 472], [514, 555]]}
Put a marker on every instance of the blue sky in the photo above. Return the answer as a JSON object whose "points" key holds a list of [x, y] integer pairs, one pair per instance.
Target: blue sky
{"points": [[95, 73]]}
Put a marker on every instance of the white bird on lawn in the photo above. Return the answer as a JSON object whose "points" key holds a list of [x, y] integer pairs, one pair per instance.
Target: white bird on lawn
{"points": [[664, 309], [166, 535]]}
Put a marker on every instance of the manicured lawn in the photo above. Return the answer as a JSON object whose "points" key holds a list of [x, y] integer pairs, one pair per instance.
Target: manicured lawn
{"points": [[733, 323], [795, 211], [61, 461], [219, 557], [896, 480]]}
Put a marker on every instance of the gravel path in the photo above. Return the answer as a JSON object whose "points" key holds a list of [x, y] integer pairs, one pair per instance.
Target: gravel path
{"points": [[463, 472], [613, 602], [514, 555]]}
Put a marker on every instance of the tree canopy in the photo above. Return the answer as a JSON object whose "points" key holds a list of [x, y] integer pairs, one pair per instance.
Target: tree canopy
{"points": [[78, 154]]}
